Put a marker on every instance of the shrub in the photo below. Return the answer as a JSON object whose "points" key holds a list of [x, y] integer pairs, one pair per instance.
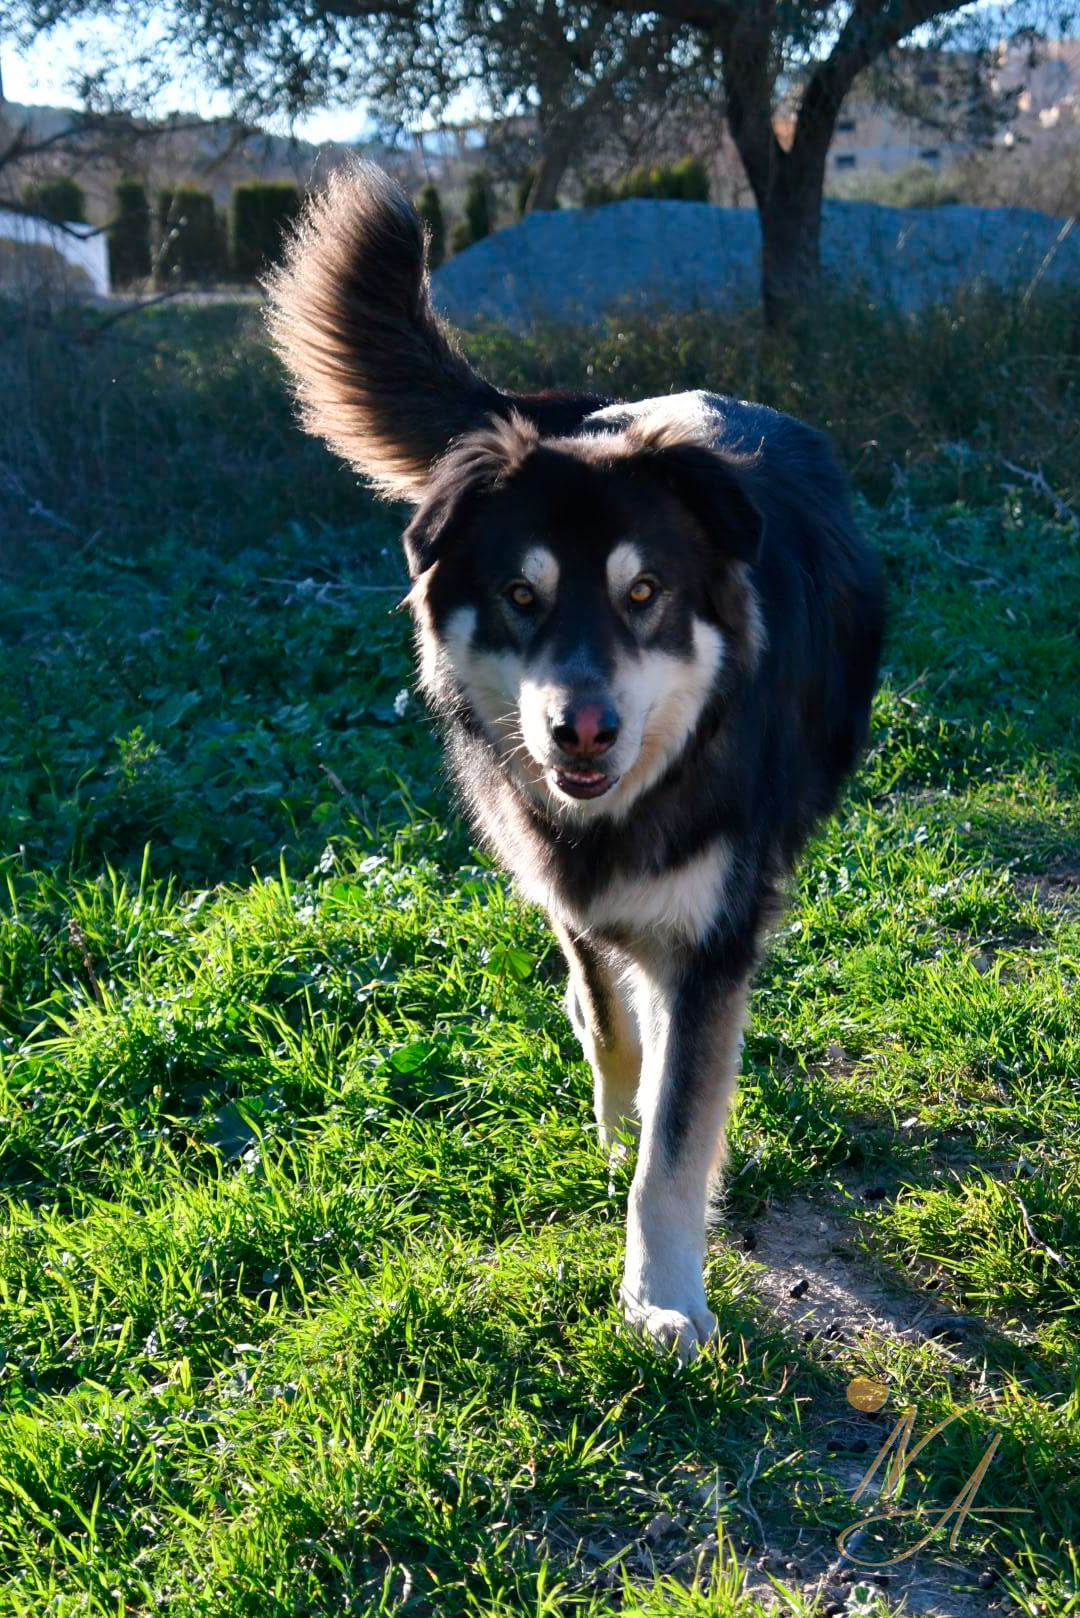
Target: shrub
{"points": [[691, 180], [261, 213], [192, 238], [684, 181], [429, 207], [917, 186], [173, 425], [60, 199], [597, 193], [477, 221], [523, 190], [641, 182], [129, 235]]}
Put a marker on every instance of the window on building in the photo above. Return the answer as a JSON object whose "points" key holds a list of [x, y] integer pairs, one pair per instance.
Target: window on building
{"points": [[845, 126], [846, 160], [930, 154], [928, 75]]}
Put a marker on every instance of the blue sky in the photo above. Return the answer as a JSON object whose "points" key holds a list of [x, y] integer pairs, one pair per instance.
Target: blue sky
{"points": [[45, 74]]}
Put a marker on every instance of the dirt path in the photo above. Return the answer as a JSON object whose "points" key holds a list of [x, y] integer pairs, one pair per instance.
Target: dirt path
{"points": [[815, 1283]]}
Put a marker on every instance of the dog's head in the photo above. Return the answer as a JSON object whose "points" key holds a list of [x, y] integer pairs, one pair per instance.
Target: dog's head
{"points": [[580, 601]]}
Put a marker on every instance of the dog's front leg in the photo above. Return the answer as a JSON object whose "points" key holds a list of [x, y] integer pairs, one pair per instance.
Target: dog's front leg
{"points": [[691, 1013], [600, 1004]]}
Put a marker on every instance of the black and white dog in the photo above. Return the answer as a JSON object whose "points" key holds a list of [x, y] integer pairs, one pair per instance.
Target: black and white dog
{"points": [[651, 633]]}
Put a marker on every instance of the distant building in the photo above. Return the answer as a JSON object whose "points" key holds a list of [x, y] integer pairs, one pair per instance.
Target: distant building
{"points": [[875, 135], [963, 107], [79, 246], [1044, 77]]}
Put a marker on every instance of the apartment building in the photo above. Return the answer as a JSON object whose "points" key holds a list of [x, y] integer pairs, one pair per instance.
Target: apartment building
{"points": [[1032, 85]]}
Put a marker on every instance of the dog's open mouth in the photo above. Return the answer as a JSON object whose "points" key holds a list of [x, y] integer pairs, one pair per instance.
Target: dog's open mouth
{"points": [[584, 783]]}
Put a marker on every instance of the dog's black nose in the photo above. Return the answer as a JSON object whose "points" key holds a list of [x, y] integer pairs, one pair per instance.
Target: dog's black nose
{"points": [[589, 728]]}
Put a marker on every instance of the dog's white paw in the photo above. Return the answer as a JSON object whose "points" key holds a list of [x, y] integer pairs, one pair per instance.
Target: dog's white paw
{"points": [[670, 1330]]}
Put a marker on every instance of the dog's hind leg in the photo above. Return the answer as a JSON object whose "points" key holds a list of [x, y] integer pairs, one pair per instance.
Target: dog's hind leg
{"points": [[692, 1023], [599, 1002]]}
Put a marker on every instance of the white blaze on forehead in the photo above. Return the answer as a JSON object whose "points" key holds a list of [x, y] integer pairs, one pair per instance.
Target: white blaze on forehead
{"points": [[624, 565], [540, 569]]}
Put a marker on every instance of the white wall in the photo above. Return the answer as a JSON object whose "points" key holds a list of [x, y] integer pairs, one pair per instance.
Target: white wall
{"points": [[79, 244]]}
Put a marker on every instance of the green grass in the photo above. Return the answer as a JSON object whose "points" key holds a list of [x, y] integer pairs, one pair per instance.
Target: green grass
{"points": [[308, 1255]]}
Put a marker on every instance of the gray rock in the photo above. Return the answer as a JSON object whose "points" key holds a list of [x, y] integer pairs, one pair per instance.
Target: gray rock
{"points": [[579, 265]]}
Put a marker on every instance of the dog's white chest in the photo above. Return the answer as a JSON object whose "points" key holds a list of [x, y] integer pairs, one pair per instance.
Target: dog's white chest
{"points": [[683, 901]]}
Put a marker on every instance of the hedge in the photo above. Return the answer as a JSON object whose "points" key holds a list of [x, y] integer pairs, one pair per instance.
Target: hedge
{"points": [[684, 181], [477, 221], [60, 199], [262, 212], [129, 235], [192, 237]]}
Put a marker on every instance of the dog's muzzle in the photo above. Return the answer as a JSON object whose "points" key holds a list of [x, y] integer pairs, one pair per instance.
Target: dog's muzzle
{"points": [[584, 732]]}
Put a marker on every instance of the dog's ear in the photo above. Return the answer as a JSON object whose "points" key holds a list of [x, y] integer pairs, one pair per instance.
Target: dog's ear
{"points": [[711, 487], [713, 490], [709, 483], [435, 524], [478, 463]]}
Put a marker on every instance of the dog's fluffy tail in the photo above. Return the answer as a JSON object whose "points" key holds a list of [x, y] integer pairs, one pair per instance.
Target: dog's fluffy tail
{"points": [[375, 371]]}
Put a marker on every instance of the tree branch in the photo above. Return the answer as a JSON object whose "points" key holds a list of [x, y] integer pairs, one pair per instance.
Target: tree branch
{"points": [[870, 30]]}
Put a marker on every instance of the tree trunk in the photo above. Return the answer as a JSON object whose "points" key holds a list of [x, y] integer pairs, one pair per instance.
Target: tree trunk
{"points": [[557, 150], [788, 185], [790, 216]]}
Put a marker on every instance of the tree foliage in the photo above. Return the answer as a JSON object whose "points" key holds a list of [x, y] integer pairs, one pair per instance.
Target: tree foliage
{"points": [[576, 70]]}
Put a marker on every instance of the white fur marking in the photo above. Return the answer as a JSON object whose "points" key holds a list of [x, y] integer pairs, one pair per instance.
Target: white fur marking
{"points": [[695, 411], [624, 565], [658, 697], [663, 1292], [490, 681], [662, 696], [540, 569], [685, 900]]}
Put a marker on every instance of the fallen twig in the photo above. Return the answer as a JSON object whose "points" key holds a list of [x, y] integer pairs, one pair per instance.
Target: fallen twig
{"points": [[1037, 481], [1043, 1247], [749, 1505]]}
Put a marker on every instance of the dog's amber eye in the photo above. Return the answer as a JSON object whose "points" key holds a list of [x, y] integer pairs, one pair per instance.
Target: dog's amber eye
{"points": [[642, 592], [521, 595]]}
